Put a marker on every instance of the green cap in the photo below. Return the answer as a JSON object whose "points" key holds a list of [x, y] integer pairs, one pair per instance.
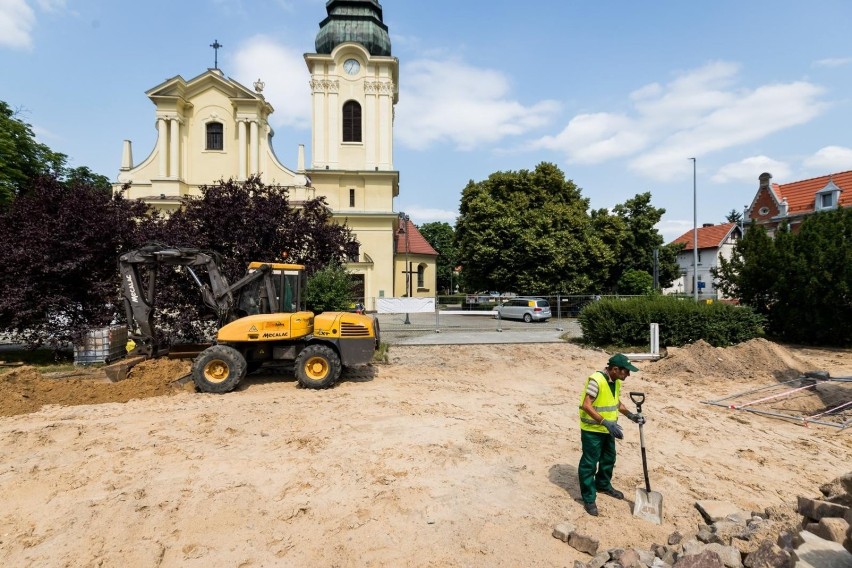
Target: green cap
{"points": [[621, 360]]}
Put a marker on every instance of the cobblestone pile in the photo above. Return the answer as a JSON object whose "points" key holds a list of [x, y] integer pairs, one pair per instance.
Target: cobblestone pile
{"points": [[815, 534]]}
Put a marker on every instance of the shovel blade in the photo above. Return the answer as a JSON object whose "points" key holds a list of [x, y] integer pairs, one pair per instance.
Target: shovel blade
{"points": [[648, 506]]}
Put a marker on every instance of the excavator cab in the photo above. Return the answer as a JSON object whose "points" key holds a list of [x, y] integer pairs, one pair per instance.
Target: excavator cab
{"points": [[280, 292]]}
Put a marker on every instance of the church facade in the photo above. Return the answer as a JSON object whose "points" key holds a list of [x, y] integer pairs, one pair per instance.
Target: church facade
{"points": [[211, 127]]}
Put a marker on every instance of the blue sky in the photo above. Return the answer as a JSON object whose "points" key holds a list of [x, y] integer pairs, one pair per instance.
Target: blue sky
{"points": [[619, 94]]}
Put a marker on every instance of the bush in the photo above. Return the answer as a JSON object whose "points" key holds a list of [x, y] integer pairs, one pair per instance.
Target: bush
{"points": [[625, 322], [329, 290], [634, 282]]}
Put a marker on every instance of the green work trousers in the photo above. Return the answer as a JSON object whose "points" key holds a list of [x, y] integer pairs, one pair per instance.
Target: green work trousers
{"points": [[596, 464]]}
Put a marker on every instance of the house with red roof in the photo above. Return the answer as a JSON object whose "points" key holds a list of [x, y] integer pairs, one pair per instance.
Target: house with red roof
{"points": [[714, 242], [792, 202], [415, 264]]}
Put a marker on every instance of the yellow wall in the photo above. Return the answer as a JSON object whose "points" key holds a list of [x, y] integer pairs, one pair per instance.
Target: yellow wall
{"points": [[180, 162]]}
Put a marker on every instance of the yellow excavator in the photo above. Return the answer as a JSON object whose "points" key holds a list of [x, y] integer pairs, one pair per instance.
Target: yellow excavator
{"points": [[261, 319]]}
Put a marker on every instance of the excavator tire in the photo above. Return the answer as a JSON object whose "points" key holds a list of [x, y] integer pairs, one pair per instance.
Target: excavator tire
{"points": [[317, 367], [218, 369]]}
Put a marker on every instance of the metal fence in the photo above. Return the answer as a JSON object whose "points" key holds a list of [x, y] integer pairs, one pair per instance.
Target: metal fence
{"points": [[472, 313]]}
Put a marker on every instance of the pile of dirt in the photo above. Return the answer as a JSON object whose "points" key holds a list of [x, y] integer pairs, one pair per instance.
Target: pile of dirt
{"points": [[25, 389], [752, 359]]}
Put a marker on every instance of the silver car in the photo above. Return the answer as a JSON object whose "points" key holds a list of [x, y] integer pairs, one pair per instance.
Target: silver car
{"points": [[527, 309]]}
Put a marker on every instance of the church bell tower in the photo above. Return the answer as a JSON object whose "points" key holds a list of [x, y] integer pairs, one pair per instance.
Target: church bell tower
{"points": [[354, 87]]}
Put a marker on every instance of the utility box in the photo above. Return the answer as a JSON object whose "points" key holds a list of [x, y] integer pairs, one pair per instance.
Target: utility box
{"points": [[103, 345]]}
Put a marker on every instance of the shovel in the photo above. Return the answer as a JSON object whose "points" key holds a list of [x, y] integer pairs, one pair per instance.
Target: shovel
{"points": [[648, 504]]}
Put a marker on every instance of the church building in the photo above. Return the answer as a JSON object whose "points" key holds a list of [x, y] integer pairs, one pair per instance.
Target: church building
{"points": [[211, 127]]}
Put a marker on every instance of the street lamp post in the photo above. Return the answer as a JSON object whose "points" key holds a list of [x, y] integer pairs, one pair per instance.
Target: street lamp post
{"points": [[694, 232], [403, 219]]}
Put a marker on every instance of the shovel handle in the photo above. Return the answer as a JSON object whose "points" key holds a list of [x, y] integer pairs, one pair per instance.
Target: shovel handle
{"points": [[638, 399]]}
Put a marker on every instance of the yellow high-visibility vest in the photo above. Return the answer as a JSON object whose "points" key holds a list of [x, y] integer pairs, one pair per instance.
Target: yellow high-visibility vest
{"points": [[606, 403]]}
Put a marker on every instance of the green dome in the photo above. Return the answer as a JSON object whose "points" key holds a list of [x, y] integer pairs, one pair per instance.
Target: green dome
{"points": [[359, 21]]}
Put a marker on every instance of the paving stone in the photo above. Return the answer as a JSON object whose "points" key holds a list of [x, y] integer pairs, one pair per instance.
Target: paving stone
{"points": [[562, 531], [584, 543], [730, 556], [769, 555], [599, 561], [816, 509], [713, 510], [706, 559], [817, 552], [832, 529], [629, 559]]}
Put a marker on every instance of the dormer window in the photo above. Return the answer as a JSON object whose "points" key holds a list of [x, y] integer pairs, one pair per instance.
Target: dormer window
{"points": [[827, 197]]}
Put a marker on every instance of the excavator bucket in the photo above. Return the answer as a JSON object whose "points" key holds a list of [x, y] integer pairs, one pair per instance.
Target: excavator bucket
{"points": [[118, 371]]}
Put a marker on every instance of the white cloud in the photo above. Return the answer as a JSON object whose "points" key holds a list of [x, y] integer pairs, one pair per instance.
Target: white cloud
{"points": [[748, 170], [285, 74], [16, 24], [671, 229], [422, 215], [830, 159], [449, 102], [44, 134], [699, 112], [749, 115], [833, 62], [50, 6], [594, 138]]}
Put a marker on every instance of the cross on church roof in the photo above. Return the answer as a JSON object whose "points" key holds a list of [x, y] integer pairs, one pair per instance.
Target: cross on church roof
{"points": [[216, 45]]}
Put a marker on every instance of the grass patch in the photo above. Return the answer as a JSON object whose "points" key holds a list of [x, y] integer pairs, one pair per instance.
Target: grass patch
{"points": [[381, 354]]}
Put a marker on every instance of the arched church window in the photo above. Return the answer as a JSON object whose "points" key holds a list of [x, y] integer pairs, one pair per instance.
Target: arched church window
{"points": [[215, 136], [421, 276], [351, 121]]}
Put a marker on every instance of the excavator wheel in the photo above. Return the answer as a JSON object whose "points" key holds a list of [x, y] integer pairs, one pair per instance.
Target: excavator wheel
{"points": [[218, 369], [317, 367]]}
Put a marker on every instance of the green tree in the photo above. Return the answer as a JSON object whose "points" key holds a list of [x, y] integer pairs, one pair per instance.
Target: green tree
{"points": [[751, 272], [442, 237], [329, 289], [734, 216], [635, 282], [640, 238], [801, 282], [527, 231], [22, 159], [84, 176]]}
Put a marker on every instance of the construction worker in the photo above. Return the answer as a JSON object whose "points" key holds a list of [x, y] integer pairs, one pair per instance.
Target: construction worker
{"points": [[599, 408]]}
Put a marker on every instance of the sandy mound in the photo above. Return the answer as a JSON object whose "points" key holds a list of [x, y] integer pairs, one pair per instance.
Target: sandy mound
{"points": [[755, 358], [24, 389]]}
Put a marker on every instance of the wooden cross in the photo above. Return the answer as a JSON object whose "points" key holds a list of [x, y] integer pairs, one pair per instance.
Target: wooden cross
{"points": [[216, 45], [409, 280]]}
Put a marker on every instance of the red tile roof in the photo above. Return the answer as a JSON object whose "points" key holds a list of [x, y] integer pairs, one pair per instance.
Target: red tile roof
{"points": [[801, 194], [416, 243], [708, 237]]}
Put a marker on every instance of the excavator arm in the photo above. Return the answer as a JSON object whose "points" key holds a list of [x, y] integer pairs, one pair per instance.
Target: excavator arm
{"points": [[139, 291]]}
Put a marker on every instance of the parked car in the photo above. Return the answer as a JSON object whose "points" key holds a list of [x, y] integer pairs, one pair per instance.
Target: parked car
{"points": [[527, 309]]}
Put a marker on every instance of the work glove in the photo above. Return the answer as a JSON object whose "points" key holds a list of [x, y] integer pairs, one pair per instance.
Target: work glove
{"points": [[613, 428], [636, 417]]}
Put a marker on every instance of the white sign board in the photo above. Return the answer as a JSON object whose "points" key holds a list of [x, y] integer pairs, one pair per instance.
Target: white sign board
{"points": [[405, 305]]}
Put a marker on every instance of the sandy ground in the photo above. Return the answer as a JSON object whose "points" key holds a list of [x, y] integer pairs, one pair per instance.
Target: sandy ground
{"points": [[446, 456]]}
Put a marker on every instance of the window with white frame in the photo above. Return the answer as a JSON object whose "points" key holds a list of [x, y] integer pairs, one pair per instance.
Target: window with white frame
{"points": [[827, 197]]}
